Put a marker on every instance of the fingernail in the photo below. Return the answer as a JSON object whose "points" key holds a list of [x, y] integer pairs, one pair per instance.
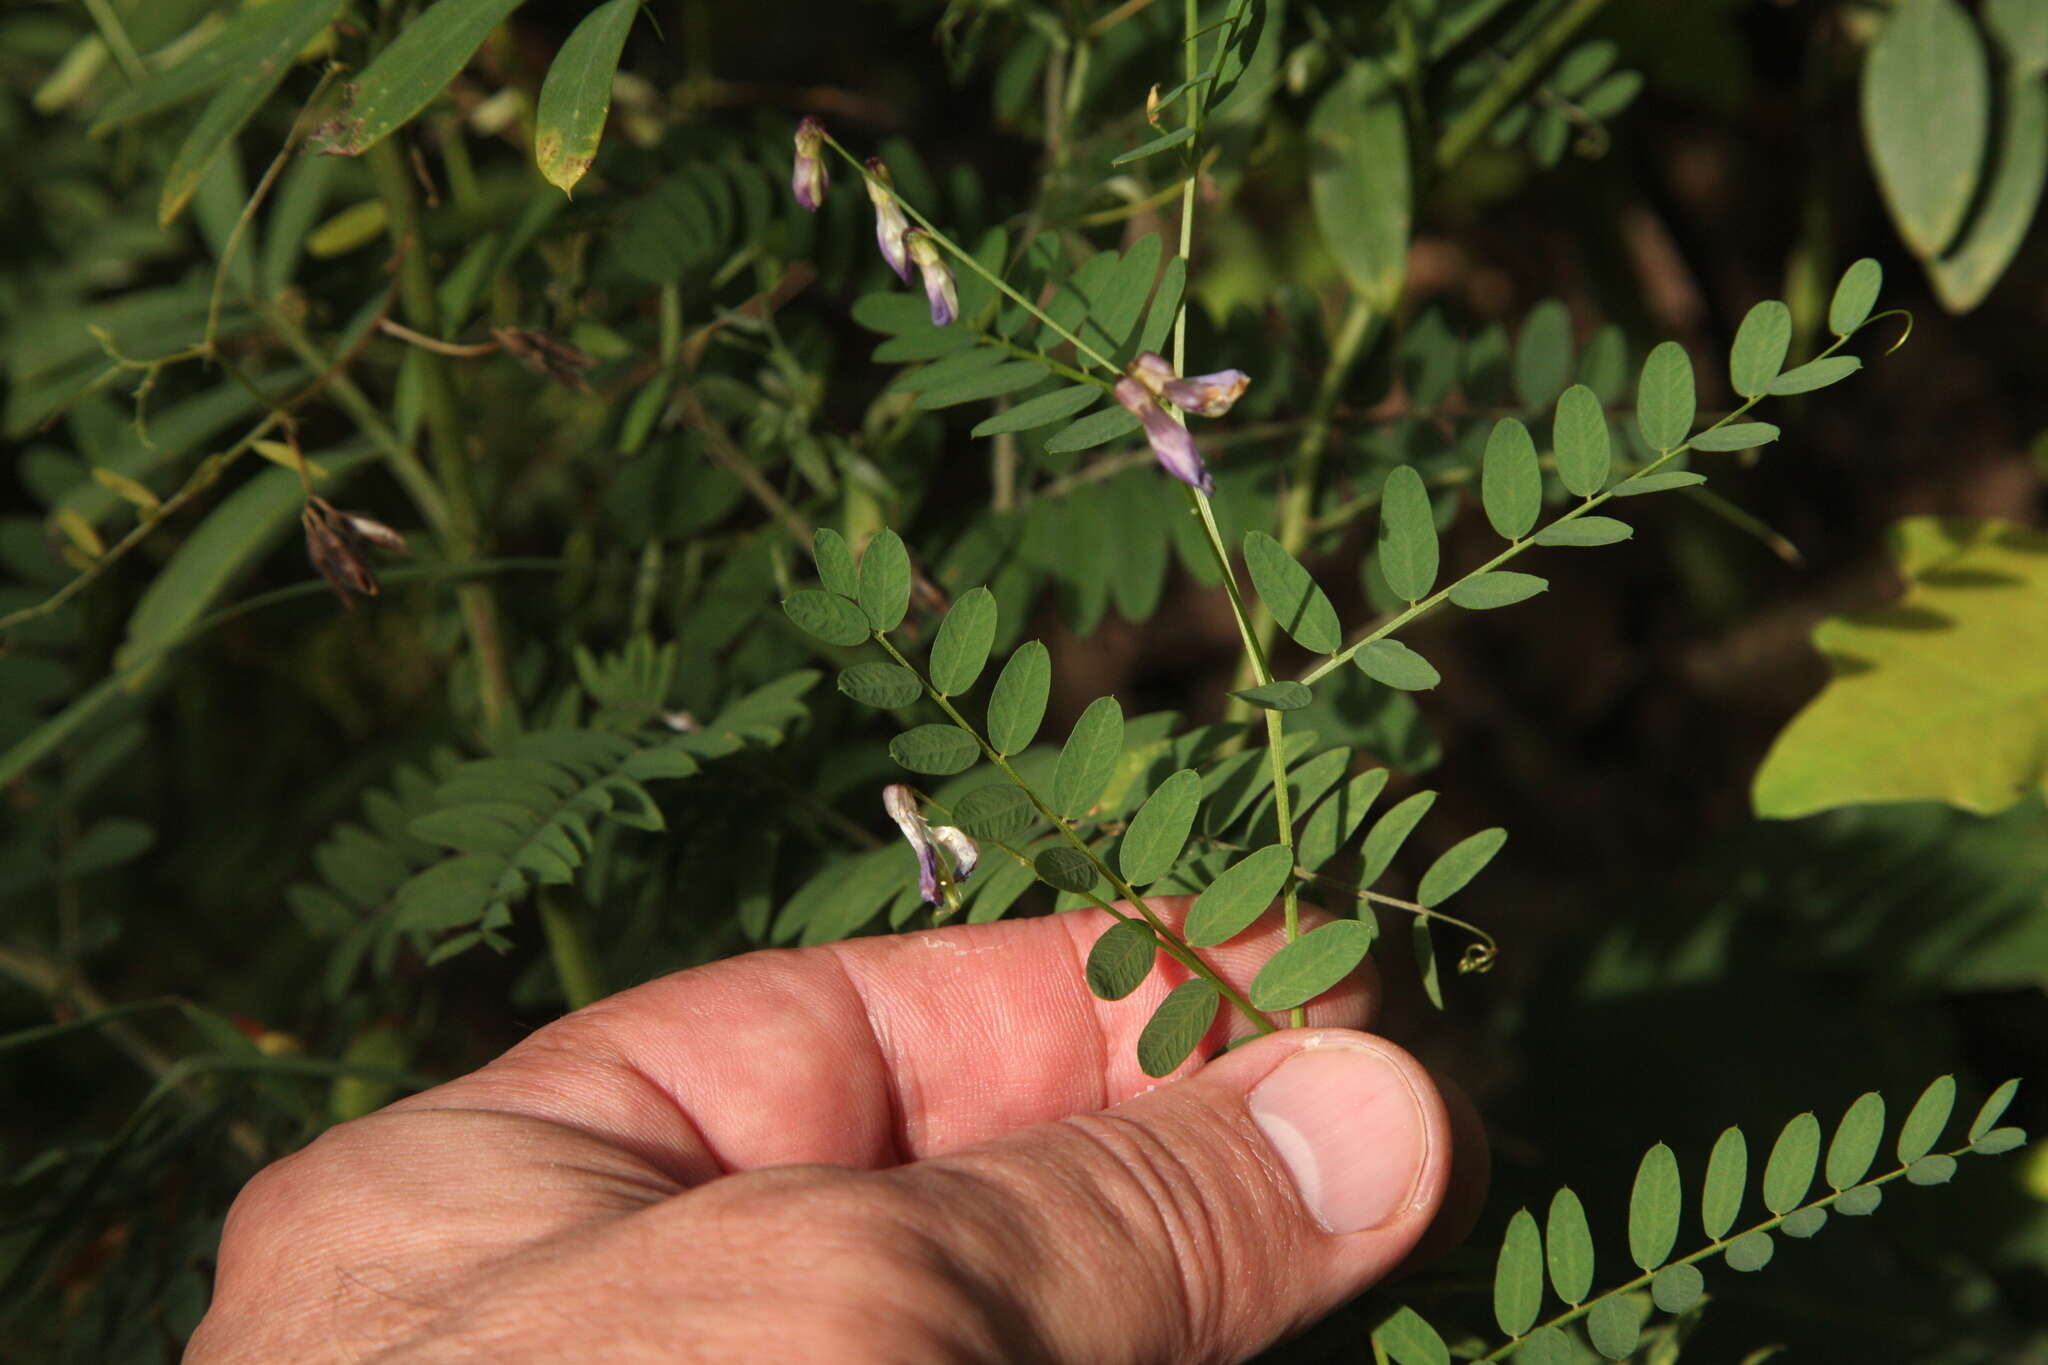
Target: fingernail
{"points": [[1348, 1126]]}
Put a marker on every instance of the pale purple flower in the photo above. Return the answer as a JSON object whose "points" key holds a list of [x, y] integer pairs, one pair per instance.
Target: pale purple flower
{"points": [[938, 280], [1210, 395], [1170, 441], [809, 180], [890, 224], [926, 840]]}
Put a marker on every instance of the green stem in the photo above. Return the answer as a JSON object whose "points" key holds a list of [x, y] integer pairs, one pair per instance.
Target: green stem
{"points": [[444, 431], [1174, 945], [1515, 77], [569, 948]]}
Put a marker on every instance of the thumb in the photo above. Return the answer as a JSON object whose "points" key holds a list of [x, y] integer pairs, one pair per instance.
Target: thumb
{"points": [[1204, 1219]]}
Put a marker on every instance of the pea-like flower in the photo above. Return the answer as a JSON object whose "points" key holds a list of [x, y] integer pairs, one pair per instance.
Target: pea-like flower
{"points": [[890, 224], [1209, 395], [1170, 441], [926, 840], [809, 181], [938, 279]]}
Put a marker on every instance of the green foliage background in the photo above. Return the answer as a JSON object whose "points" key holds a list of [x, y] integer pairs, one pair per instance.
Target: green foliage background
{"points": [[266, 861]]}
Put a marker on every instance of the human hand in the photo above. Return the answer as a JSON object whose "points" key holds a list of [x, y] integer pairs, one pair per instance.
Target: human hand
{"points": [[934, 1147]]}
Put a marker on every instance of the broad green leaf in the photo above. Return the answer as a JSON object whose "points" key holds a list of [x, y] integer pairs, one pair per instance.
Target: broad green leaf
{"points": [[1604, 366], [1750, 1251], [1584, 531], [998, 811], [1543, 355], [1459, 864], [1999, 1141], [1177, 1026], [1097, 428], [1499, 588], [1736, 436], [1942, 696], [1388, 833], [1394, 664], [1088, 758], [960, 651], [832, 619], [1568, 1246], [577, 94], [1860, 1201], [1676, 1288], [1993, 1109], [1926, 118], [2021, 28], [886, 686], [1612, 95], [1017, 705], [1166, 299], [1789, 1172], [1760, 347], [1583, 65], [1067, 869], [1312, 964], [1332, 823], [1615, 1325], [1665, 397], [1855, 295], [428, 53], [1511, 480], [1653, 1209], [1114, 306], [1643, 484], [1291, 594], [1546, 1346], [1037, 412], [928, 343], [1804, 1223], [1159, 831], [1425, 961], [292, 24], [835, 562], [884, 590], [1277, 696], [1856, 1141], [242, 42], [1936, 1169], [233, 537], [1407, 544], [1518, 1275], [991, 382], [1964, 274], [1239, 895], [1816, 374], [1408, 1339], [1121, 959], [939, 750], [894, 313], [1579, 435], [1359, 183], [1929, 1115], [1727, 1176]]}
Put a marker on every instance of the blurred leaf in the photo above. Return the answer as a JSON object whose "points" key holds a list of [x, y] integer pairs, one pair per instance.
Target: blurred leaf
{"points": [[1359, 182], [427, 54], [2021, 27], [576, 97], [1941, 696], [1998, 223], [1926, 118], [1543, 355]]}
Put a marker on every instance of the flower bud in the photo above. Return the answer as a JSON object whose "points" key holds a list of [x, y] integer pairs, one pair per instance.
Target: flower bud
{"points": [[890, 224], [938, 279], [809, 181]]}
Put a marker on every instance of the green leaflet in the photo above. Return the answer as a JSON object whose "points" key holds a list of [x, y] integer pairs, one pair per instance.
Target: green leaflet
{"points": [[1017, 705], [1039, 411], [1238, 896], [1499, 588], [1510, 479], [1097, 428], [1088, 758], [1727, 1176], [992, 382], [1159, 831], [885, 686], [835, 562], [1993, 1109], [1388, 833], [1424, 947], [1750, 1251], [960, 651], [1332, 823], [577, 94], [939, 750], [1615, 1325], [1653, 1209], [1518, 1276], [1924, 1122], [1408, 1339], [1396, 665], [1568, 1248], [1789, 1172], [1738, 436], [1584, 531], [1163, 143], [832, 619], [1665, 397], [1855, 295], [999, 811], [1407, 542], [1312, 964], [1177, 1026], [428, 53], [1359, 183], [1459, 864], [1998, 225], [1121, 959], [1856, 1141], [884, 589], [1291, 594], [1066, 869], [1816, 374], [261, 70], [1676, 1288], [1277, 696], [1760, 347], [1542, 363]]}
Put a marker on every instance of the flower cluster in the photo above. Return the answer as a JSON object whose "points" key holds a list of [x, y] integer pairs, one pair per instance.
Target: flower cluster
{"points": [[1150, 383], [926, 840], [901, 244]]}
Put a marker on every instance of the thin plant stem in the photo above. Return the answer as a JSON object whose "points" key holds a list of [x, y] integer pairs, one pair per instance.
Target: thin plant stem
{"points": [[569, 947]]}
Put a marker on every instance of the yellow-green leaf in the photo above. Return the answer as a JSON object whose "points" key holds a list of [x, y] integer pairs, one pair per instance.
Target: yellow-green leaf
{"points": [[577, 95], [1941, 696], [428, 53]]}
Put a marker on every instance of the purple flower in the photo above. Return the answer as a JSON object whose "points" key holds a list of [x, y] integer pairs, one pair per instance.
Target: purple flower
{"points": [[926, 840], [938, 280], [1207, 394], [890, 224], [1170, 440], [809, 181]]}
